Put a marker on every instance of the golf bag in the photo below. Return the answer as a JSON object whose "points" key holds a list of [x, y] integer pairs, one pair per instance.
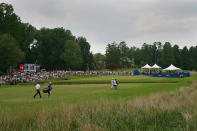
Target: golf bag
{"points": [[45, 90]]}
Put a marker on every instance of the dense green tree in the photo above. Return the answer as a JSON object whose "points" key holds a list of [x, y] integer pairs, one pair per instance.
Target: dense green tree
{"points": [[147, 53], [193, 57], [167, 56], [164, 55], [113, 54], [10, 53], [91, 61], [177, 55], [135, 56], [11, 24], [124, 49], [99, 60], [156, 49], [185, 58], [50, 44], [131, 53], [9, 21], [87, 57], [72, 55], [125, 61], [28, 33], [138, 57], [47, 47]]}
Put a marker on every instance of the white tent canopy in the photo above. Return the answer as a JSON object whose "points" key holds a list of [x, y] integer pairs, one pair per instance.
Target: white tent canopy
{"points": [[146, 66], [155, 66], [171, 68]]}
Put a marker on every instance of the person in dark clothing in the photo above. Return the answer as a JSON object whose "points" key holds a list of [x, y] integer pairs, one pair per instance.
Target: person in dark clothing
{"points": [[49, 89], [37, 91], [116, 84]]}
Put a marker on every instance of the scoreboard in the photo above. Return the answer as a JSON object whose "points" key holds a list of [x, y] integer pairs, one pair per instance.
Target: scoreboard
{"points": [[29, 67]]}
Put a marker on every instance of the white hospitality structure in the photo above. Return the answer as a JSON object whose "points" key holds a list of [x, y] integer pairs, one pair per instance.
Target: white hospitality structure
{"points": [[155, 66], [171, 68], [146, 67]]}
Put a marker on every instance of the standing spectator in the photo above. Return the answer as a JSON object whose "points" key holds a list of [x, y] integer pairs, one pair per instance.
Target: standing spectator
{"points": [[37, 90]]}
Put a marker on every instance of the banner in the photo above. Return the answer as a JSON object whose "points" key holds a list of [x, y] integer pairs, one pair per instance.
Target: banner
{"points": [[21, 67]]}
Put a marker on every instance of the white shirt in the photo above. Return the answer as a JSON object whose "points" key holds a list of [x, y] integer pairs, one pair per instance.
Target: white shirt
{"points": [[113, 82], [37, 86]]}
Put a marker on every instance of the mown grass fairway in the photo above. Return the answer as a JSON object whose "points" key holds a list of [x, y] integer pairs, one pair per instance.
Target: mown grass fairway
{"points": [[16, 102], [129, 87]]}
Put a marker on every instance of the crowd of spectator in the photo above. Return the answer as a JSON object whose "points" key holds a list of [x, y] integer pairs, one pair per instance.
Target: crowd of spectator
{"points": [[98, 73], [22, 77], [151, 72]]}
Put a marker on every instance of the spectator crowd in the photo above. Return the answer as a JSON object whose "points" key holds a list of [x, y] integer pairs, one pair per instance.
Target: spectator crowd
{"points": [[22, 77]]}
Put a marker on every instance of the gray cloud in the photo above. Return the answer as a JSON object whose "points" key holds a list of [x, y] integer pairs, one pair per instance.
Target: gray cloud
{"points": [[106, 21]]}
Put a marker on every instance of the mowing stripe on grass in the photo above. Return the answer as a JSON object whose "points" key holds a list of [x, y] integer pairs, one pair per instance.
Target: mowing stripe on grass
{"points": [[71, 83]]}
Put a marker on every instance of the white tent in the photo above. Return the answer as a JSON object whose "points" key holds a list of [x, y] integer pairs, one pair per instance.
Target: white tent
{"points": [[172, 68], [146, 67], [155, 66]]}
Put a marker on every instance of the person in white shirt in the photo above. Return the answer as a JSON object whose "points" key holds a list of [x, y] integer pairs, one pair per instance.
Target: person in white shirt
{"points": [[114, 84], [37, 91]]}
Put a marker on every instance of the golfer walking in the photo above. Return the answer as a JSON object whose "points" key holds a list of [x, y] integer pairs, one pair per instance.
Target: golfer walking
{"points": [[37, 91], [49, 89]]}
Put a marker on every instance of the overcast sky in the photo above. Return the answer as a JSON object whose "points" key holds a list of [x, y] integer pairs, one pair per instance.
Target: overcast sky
{"points": [[106, 21]]}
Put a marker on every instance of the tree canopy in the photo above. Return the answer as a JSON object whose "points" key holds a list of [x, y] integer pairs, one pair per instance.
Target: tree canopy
{"points": [[72, 55], [59, 49], [11, 54], [46, 47], [162, 54]]}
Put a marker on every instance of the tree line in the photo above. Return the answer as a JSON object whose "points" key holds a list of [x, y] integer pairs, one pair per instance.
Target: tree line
{"points": [[121, 56], [51, 48], [58, 48]]}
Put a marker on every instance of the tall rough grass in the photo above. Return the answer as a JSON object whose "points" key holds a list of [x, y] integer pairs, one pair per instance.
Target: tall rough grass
{"points": [[164, 111]]}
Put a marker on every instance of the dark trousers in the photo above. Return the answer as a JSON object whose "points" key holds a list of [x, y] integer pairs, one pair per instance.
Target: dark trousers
{"points": [[38, 92]]}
